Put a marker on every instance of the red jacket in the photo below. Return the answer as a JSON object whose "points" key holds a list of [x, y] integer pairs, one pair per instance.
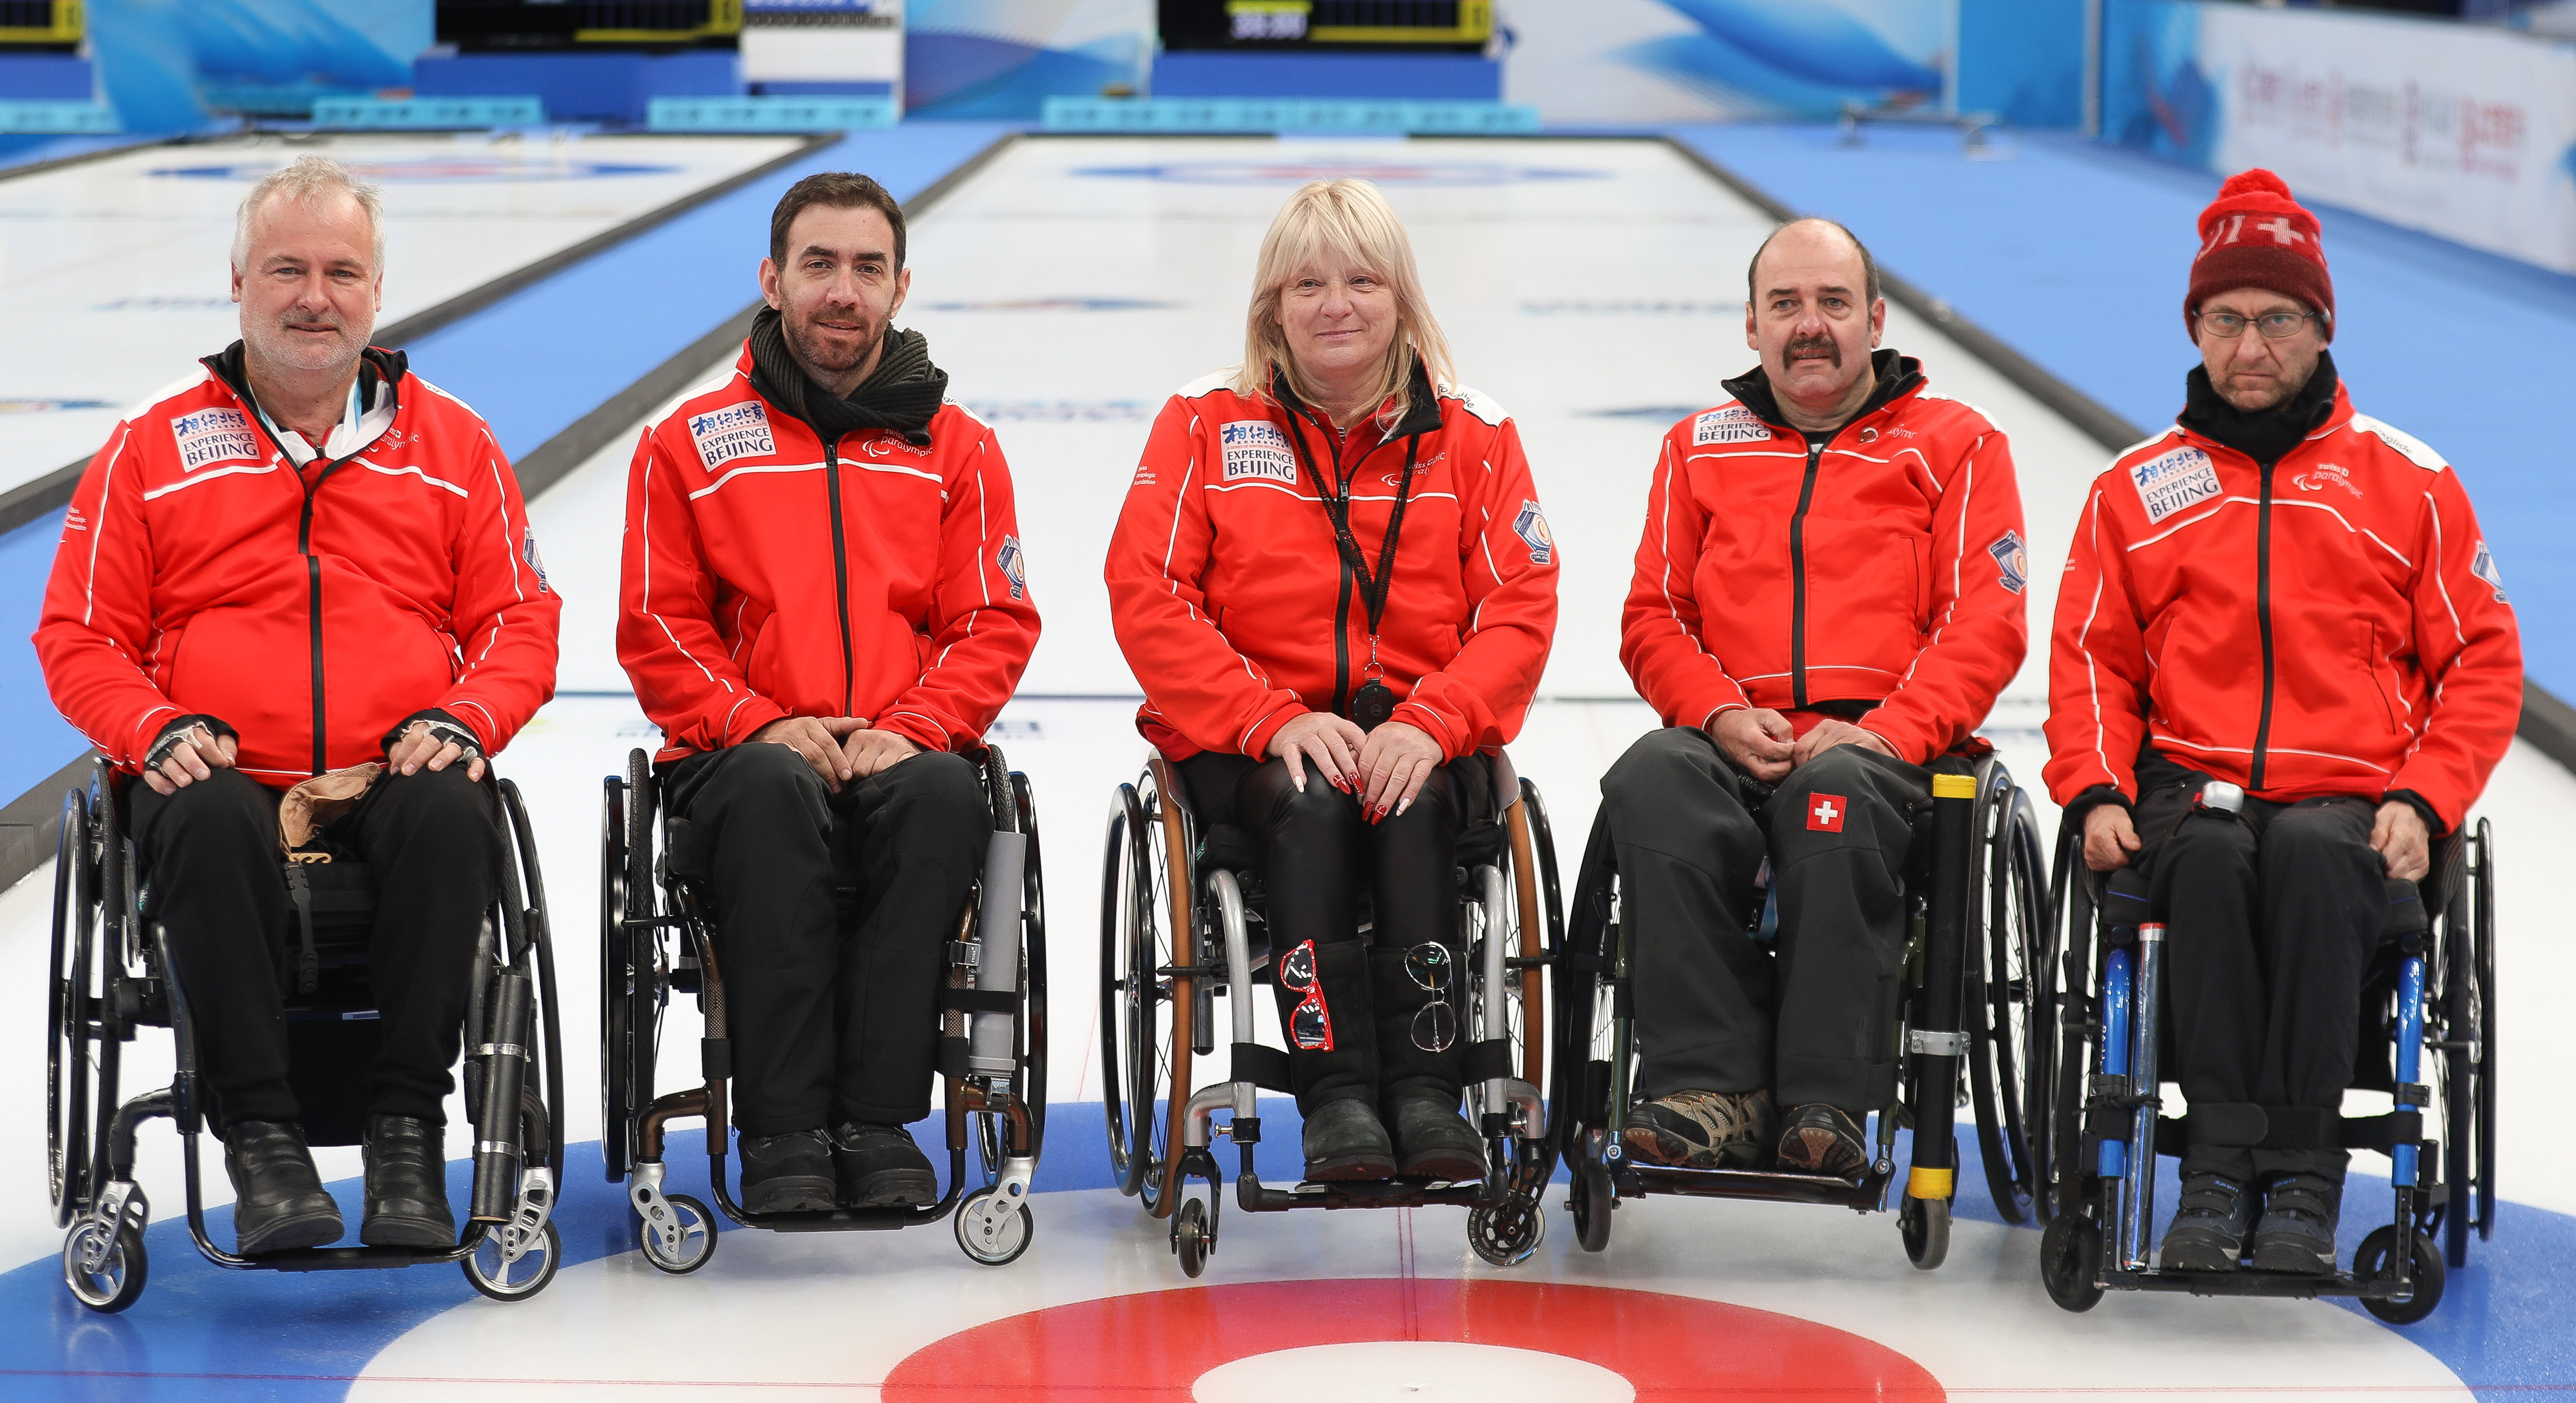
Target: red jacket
{"points": [[200, 572], [2392, 663], [1887, 568], [1227, 592], [769, 575]]}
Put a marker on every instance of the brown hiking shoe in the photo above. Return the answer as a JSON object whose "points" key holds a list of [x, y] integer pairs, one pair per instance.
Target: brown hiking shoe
{"points": [[1702, 1129], [1820, 1139]]}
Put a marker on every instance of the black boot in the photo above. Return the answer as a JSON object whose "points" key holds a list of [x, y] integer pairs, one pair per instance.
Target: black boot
{"points": [[2297, 1230], [1419, 1037], [278, 1202], [1332, 1059], [406, 1185], [879, 1167], [2211, 1222], [789, 1173]]}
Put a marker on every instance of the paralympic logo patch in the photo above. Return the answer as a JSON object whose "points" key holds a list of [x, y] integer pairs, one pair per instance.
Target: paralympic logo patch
{"points": [[1531, 527], [2012, 560], [735, 431], [212, 436], [1733, 424], [2177, 480], [1254, 448]]}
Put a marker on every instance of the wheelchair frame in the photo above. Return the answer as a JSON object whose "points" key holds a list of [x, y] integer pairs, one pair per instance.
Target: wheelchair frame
{"points": [[112, 974], [993, 1046], [1157, 1003], [2101, 1235], [1974, 988]]}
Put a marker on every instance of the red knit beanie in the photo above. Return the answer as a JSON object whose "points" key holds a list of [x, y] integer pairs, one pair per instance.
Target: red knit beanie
{"points": [[2255, 235]]}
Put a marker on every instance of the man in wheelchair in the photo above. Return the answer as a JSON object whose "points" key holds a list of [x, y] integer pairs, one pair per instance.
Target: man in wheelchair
{"points": [[1828, 597], [300, 560], [824, 601], [2283, 668]]}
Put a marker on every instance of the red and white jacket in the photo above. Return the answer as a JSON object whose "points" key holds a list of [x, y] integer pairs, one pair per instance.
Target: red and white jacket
{"points": [[1884, 569], [769, 574], [201, 573], [2334, 625], [1232, 603]]}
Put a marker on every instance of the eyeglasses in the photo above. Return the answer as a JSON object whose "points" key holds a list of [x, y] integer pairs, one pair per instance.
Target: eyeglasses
{"points": [[1310, 1023], [2227, 326], [1435, 1024]]}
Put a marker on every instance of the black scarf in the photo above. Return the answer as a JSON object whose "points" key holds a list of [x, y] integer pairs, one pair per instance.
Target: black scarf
{"points": [[2265, 435], [900, 394], [1895, 375]]}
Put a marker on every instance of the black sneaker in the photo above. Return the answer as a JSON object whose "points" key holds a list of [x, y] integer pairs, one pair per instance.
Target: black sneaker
{"points": [[1820, 1139], [1344, 1140], [790, 1173], [1434, 1142], [2210, 1225], [2297, 1233], [1702, 1129], [879, 1167]]}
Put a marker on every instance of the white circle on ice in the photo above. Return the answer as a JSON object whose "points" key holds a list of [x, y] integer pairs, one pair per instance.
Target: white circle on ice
{"points": [[1408, 1371]]}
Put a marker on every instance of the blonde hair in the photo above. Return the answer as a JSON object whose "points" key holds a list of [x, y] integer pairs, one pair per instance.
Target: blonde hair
{"points": [[1350, 222], [313, 181]]}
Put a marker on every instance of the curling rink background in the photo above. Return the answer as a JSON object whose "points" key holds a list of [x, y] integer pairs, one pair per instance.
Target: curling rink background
{"points": [[1592, 287]]}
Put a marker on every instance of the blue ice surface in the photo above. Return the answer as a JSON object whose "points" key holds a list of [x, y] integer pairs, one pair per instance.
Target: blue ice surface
{"points": [[202, 1333], [531, 364], [2077, 255]]}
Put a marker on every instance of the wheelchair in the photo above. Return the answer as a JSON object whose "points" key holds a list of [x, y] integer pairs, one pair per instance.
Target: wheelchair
{"points": [[1183, 922], [1974, 990], [111, 974], [657, 939], [2430, 995]]}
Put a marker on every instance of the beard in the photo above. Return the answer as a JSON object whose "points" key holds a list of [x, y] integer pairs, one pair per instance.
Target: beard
{"points": [[285, 341], [824, 355]]}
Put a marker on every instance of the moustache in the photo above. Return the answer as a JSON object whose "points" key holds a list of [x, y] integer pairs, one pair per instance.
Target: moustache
{"points": [[1805, 346]]}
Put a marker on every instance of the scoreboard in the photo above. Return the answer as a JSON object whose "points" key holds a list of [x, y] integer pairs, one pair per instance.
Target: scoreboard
{"points": [[1275, 25]]}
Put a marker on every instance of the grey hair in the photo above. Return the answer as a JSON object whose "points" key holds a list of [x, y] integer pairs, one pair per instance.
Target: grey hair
{"points": [[311, 182]]}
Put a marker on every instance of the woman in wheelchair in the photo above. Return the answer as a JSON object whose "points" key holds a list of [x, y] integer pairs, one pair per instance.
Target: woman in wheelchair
{"points": [[1334, 580]]}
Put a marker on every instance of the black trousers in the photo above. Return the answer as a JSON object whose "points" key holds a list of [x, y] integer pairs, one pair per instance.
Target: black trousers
{"points": [[1716, 1010], [2271, 922], [830, 1022], [1321, 854], [432, 843]]}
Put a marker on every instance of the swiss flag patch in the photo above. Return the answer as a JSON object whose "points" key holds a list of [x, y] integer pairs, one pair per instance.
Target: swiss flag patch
{"points": [[1825, 813]]}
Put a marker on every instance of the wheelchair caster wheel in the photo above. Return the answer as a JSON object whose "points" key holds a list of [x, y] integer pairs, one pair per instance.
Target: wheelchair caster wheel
{"points": [[1190, 1238], [105, 1270], [1925, 1224], [692, 1243], [1508, 1233], [2069, 1251], [1592, 1203], [2374, 1263], [992, 1232], [506, 1280]]}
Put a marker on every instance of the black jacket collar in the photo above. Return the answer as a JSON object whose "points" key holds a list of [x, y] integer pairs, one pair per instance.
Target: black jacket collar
{"points": [[375, 367], [2266, 435], [1897, 375], [1422, 416]]}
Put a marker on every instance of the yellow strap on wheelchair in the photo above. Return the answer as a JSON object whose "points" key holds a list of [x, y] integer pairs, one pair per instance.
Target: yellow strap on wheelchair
{"points": [[1930, 1183], [1954, 786]]}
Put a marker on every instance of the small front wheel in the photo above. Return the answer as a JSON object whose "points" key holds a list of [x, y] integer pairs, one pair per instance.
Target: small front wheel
{"points": [[1592, 1203], [1508, 1233], [993, 1232], [1190, 1239], [1925, 1224], [2375, 1262], [684, 1244], [2069, 1253], [514, 1279], [105, 1270]]}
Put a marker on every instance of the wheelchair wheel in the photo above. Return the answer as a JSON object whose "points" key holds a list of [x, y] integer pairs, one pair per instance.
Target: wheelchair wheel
{"points": [[2010, 982], [695, 1229], [990, 1233], [2065, 1014], [2068, 1252], [71, 994], [2483, 961], [1033, 969], [1592, 1203], [630, 977], [105, 1271], [1190, 1240], [1924, 1223], [514, 1280], [1508, 1233], [2374, 1263], [1146, 927]]}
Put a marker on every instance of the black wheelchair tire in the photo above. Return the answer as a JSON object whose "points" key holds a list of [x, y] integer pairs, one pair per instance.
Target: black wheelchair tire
{"points": [[1591, 1203], [1113, 1089], [2373, 1261], [2483, 958], [2069, 1250], [616, 1135], [1508, 1233], [1033, 968], [1190, 1241], [2459, 1032], [688, 1209], [67, 1035], [2008, 1065], [134, 1268], [1924, 1223], [511, 1290]]}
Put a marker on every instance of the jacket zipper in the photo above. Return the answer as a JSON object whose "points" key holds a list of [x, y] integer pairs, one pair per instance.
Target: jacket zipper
{"points": [[1798, 579], [313, 608], [2263, 622], [840, 570]]}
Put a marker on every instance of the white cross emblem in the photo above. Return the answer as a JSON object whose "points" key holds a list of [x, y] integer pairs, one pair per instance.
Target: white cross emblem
{"points": [[1825, 811], [2278, 226]]}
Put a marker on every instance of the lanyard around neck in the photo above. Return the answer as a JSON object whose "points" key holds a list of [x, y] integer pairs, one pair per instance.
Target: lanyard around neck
{"points": [[1337, 509]]}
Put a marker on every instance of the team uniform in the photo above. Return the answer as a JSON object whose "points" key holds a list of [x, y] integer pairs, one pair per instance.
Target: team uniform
{"points": [[773, 570], [1874, 575], [311, 602], [1238, 615]]}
